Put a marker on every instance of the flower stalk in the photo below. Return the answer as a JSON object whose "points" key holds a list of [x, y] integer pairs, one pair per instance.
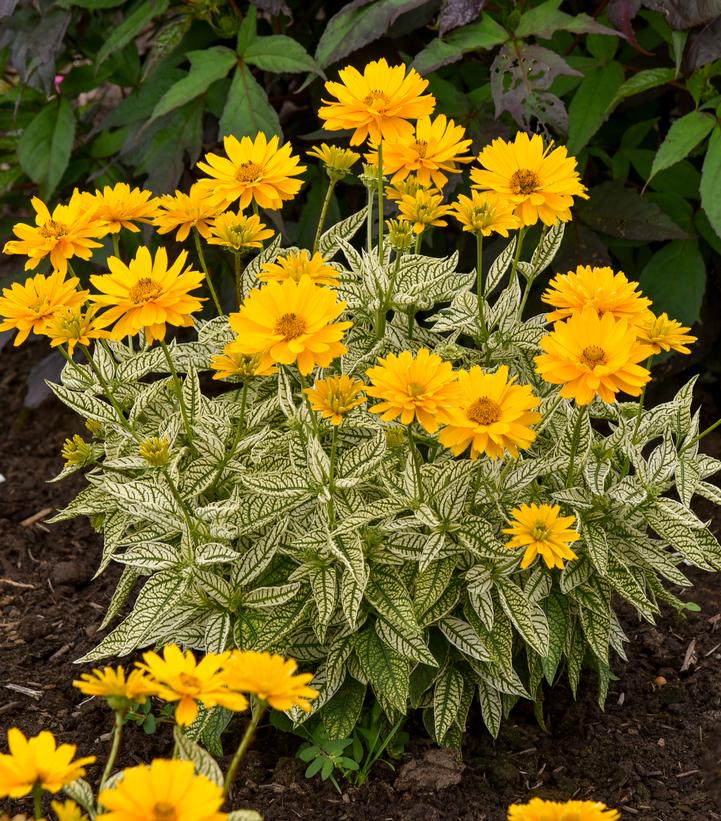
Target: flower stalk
{"points": [[204, 267], [245, 742]]}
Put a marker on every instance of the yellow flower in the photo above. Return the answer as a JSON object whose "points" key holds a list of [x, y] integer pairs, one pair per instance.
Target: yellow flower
{"points": [[238, 232], [297, 264], [663, 334], [154, 450], [540, 530], [293, 322], [422, 388], [438, 145], [492, 415], [540, 182], [271, 678], [423, 208], [485, 213], [400, 235], [257, 170], [77, 451], [377, 103], [335, 396], [337, 161], [593, 355], [540, 810], [196, 209], [72, 326], [68, 232], [121, 206], [163, 791], [408, 186], [68, 811], [601, 288], [113, 685], [231, 365], [38, 762], [180, 678], [147, 294], [30, 306]]}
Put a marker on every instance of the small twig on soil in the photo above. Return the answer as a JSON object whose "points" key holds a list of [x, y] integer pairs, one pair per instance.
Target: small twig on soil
{"points": [[36, 517], [687, 773], [13, 583], [691, 657], [26, 691]]}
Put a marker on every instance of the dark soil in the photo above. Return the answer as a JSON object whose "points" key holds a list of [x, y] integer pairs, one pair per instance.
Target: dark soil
{"points": [[654, 752]]}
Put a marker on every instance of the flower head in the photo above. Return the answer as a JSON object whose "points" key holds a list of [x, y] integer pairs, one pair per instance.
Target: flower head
{"points": [[400, 235], [540, 182], [492, 415], [293, 322], [540, 810], [154, 450], [38, 762], [112, 684], [258, 170], [30, 306], [68, 811], [337, 161], [238, 366], [147, 294], [162, 791], [297, 264], [408, 185], [541, 530], [601, 288], [271, 678], [178, 677], [73, 326], [335, 396], [663, 334], [121, 206], [422, 209], [592, 355], [180, 212], [68, 232], [377, 103], [485, 213], [421, 387], [238, 232], [77, 451]]}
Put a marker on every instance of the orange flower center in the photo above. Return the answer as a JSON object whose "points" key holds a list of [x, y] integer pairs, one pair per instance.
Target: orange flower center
{"points": [[249, 172], [421, 147], [415, 389], [190, 681], [290, 326], [377, 100], [593, 355], [163, 811], [524, 181], [484, 411], [53, 230], [540, 531], [145, 290]]}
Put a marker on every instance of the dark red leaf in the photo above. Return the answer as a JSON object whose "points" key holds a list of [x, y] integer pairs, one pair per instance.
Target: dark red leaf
{"points": [[621, 13], [457, 13]]}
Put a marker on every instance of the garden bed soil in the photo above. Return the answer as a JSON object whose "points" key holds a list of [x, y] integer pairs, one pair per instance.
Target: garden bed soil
{"points": [[655, 752]]}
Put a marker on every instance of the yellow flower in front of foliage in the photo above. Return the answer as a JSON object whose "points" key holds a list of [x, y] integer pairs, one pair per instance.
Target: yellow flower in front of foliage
{"points": [[542, 531], [31, 305], [121, 206], [592, 355], [492, 415], [400, 235], [38, 762], [405, 187], [437, 146], [147, 294], [271, 678], [485, 213], [423, 387], [238, 232], [297, 264], [77, 451], [335, 396], [293, 322], [196, 209], [337, 161], [540, 810], [68, 811], [541, 182], [422, 209], [162, 791], [231, 365], [605, 291], [112, 683], [154, 450], [72, 326], [178, 677], [258, 170], [663, 334], [68, 232], [377, 103]]}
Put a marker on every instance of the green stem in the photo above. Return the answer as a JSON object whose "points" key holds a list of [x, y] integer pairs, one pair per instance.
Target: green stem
{"points": [[323, 214], [701, 435], [517, 256], [116, 244], [238, 268], [204, 266], [38, 801], [575, 436], [380, 200], [236, 438], [415, 456], [178, 392], [641, 402], [524, 299], [106, 389], [245, 742], [303, 386], [387, 300], [419, 240], [369, 220], [115, 746], [479, 285], [331, 476], [411, 322]]}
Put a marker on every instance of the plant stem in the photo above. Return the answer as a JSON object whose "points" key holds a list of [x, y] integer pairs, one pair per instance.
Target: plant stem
{"points": [[178, 392], [106, 388], [236, 438], [479, 284], [380, 200], [323, 214], [369, 220], [238, 278], [641, 401], [116, 244], [331, 476], [415, 456], [245, 742], [115, 746], [701, 435], [387, 300], [303, 386], [38, 801], [419, 240], [517, 256], [204, 266], [575, 436]]}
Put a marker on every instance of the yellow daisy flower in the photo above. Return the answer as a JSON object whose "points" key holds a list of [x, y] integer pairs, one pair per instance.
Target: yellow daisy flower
{"points": [[422, 388], [239, 366], [297, 264], [238, 232], [147, 294], [492, 415], [601, 288], [377, 103], [30, 306], [540, 182], [422, 209], [337, 161], [293, 322], [410, 185], [437, 146], [485, 213], [72, 326], [121, 206], [163, 791], [258, 170], [178, 677], [68, 232], [335, 396], [542, 531], [271, 678], [592, 355], [38, 762], [154, 450], [663, 334], [540, 810], [180, 212], [400, 235], [68, 811], [113, 685]]}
